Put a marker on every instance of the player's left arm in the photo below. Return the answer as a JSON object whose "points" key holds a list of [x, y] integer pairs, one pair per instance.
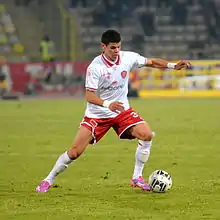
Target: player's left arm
{"points": [[163, 64]]}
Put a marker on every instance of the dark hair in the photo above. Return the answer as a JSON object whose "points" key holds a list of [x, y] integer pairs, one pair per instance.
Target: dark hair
{"points": [[110, 36]]}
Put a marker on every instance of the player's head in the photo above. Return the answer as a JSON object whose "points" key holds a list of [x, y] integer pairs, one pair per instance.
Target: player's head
{"points": [[111, 43]]}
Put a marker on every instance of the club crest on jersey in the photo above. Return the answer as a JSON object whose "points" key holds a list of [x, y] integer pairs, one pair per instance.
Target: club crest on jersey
{"points": [[123, 74]]}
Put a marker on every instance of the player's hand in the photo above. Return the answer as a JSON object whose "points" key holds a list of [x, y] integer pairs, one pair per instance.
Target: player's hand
{"points": [[116, 107], [182, 64]]}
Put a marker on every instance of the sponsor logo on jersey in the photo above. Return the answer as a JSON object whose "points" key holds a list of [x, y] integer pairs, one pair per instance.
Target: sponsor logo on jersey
{"points": [[112, 87]]}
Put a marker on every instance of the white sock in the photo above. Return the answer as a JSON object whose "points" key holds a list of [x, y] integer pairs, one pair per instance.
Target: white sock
{"points": [[62, 163], [141, 157]]}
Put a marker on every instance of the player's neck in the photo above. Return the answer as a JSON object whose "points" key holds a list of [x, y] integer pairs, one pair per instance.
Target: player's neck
{"points": [[109, 59]]}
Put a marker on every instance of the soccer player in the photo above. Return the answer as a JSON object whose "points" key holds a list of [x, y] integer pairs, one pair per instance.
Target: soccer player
{"points": [[108, 107]]}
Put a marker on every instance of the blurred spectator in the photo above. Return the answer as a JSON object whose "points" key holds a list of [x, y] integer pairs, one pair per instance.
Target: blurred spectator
{"points": [[110, 12], [216, 13], [179, 12], [126, 6], [3, 84], [75, 3], [147, 21], [114, 11], [99, 15], [47, 49], [211, 13], [47, 77]]}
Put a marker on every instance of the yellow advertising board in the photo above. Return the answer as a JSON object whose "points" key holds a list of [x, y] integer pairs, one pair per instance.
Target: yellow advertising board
{"points": [[203, 79]]}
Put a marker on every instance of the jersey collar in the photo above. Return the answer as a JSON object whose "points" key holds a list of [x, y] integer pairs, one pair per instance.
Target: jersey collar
{"points": [[110, 63]]}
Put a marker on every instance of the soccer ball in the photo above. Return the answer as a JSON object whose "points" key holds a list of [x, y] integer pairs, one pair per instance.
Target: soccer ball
{"points": [[160, 181]]}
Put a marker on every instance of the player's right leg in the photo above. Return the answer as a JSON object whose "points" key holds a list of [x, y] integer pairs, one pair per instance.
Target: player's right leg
{"points": [[81, 141]]}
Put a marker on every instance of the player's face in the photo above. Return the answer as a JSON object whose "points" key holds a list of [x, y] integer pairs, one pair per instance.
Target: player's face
{"points": [[112, 50]]}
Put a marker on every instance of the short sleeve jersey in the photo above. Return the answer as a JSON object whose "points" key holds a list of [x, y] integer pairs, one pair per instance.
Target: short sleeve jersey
{"points": [[110, 81]]}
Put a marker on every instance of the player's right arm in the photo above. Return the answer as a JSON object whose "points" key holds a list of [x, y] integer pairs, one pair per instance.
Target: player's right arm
{"points": [[92, 83], [94, 99]]}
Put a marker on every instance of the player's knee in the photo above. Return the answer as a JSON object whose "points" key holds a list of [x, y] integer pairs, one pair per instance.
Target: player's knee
{"points": [[145, 135], [74, 153]]}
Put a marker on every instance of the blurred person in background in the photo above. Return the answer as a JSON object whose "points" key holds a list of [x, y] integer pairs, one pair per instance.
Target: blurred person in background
{"points": [[109, 12], [99, 15], [106, 86], [179, 12], [47, 49], [5, 87], [114, 11], [147, 21], [38, 81], [3, 84], [211, 13]]}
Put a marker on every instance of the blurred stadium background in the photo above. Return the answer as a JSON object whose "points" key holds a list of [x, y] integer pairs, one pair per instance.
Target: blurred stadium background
{"points": [[45, 47], [68, 33]]}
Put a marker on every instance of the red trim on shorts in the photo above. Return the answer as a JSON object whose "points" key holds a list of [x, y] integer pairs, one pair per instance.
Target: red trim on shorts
{"points": [[88, 126], [126, 120], [140, 122]]}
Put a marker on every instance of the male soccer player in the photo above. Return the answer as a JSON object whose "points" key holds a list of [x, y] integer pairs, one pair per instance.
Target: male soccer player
{"points": [[108, 107]]}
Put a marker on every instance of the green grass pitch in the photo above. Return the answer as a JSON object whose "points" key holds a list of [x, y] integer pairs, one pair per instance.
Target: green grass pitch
{"points": [[96, 186]]}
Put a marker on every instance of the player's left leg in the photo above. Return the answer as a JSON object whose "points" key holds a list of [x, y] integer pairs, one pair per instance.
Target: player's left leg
{"points": [[129, 125], [144, 135]]}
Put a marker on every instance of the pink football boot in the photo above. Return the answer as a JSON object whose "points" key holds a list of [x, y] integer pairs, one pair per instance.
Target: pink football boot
{"points": [[141, 183], [43, 187]]}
